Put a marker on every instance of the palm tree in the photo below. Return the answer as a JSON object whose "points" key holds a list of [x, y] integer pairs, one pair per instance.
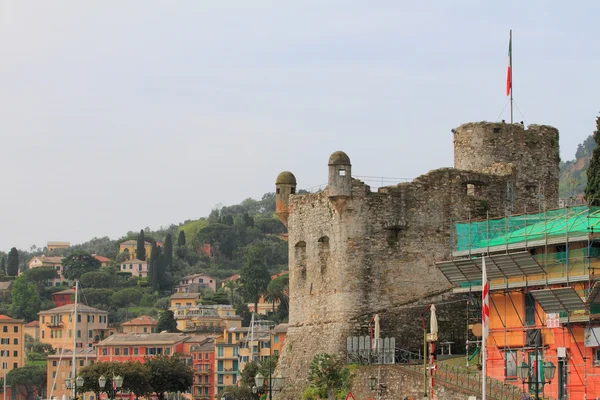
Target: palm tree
{"points": [[232, 285], [278, 291]]}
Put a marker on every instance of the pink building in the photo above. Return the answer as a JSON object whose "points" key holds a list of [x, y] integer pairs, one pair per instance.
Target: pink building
{"points": [[50, 262], [136, 267], [193, 283]]}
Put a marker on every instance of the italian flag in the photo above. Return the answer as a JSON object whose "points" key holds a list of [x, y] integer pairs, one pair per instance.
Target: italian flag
{"points": [[508, 71]]}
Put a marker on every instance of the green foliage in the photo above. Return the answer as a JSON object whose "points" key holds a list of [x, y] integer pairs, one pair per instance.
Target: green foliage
{"points": [[26, 302], [135, 377], [212, 298], [168, 252], [252, 368], [328, 378], [99, 298], [167, 322], [168, 374], [78, 264], [126, 297], [96, 279], [278, 292], [28, 380], [3, 266], [573, 176], [255, 276], [237, 393], [181, 238], [243, 311], [12, 265], [140, 251], [40, 276], [592, 189]]}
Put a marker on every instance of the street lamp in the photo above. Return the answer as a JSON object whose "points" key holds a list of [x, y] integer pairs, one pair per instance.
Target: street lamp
{"points": [[117, 382], [76, 382], [374, 384], [524, 371], [275, 384]]}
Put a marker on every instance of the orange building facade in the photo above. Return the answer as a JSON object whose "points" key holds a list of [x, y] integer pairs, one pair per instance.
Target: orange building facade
{"points": [[544, 319]]}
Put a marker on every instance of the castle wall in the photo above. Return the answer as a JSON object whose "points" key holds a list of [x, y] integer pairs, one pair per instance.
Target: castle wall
{"points": [[355, 255]]}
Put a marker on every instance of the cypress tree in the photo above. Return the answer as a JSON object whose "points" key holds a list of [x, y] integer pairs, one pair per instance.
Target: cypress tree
{"points": [[12, 266], [154, 267], [168, 252], [140, 252], [592, 189], [3, 266], [160, 268], [181, 239]]}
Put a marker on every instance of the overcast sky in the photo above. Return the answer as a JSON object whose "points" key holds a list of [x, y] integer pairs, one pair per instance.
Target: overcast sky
{"points": [[117, 115]]}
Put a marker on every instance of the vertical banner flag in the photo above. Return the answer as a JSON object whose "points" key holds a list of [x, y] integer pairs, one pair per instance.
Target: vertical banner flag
{"points": [[485, 297], [485, 321], [508, 71]]}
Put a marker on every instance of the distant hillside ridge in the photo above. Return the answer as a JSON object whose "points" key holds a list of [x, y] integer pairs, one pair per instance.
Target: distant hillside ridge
{"points": [[573, 177]]}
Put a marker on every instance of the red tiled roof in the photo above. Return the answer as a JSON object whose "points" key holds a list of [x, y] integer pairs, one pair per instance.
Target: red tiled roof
{"points": [[232, 278], [33, 324], [102, 259]]}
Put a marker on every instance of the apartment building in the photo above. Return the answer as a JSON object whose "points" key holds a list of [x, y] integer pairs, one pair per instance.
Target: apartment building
{"points": [[58, 329]]}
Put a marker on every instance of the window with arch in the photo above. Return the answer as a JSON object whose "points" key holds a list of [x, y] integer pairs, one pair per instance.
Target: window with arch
{"points": [[300, 258], [323, 250]]}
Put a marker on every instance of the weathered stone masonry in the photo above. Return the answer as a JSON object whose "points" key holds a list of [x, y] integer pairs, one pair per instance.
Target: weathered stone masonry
{"points": [[354, 252]]}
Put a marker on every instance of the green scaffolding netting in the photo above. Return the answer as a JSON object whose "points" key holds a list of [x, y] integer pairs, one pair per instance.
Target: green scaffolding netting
{"points": [[527, 227]]}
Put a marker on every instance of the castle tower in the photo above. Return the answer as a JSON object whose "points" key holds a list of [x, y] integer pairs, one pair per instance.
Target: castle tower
{"points": [[285, 185], [530, 155], [340, 175]]}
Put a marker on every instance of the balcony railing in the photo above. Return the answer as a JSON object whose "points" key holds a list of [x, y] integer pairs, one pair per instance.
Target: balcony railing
{"points": [[54, 324]]}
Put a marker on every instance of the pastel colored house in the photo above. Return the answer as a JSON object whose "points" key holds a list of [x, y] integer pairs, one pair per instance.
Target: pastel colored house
{"points": [[58, 328], [60, 366], [138, 325], [50, 262], [33, 329], [138, 268], [57, 245], [131, 246], [209, 318], [12, 349], [63, 297], [5, 288], [179, 300], [104, 261], [196, 282], [202, 353]]}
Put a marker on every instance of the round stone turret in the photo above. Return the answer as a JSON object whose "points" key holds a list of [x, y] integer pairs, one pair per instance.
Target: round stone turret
{"points": [[285, 185], [340, 175], [530, 156]]}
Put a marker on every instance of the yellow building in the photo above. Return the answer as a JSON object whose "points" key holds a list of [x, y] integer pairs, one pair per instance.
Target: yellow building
{"points": [[141, 324], [12, 344], [57, 245], [211, 318], [33, 329], [60, 367], [56, 326], [131, 246], [226, 358], [180, 300]]}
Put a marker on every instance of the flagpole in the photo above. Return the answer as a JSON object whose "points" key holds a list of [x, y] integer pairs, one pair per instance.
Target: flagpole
{"points": [[511, 81]]}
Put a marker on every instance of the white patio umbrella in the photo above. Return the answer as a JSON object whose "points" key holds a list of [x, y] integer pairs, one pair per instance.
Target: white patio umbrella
{"points": [[377, 331], [433, 324]]}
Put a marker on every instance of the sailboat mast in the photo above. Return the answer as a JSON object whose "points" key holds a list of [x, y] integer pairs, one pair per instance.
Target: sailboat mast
{"points": [[252, 338], [73, 377]]}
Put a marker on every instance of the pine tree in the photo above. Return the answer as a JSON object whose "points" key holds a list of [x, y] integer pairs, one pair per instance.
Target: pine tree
{"points": [[140, 252], [592, 189], [168, 253], [181, 239], [12, 267], [154, 267]]}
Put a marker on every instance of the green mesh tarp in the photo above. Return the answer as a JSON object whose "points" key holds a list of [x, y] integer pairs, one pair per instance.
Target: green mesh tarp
{"points": [[527, 227]]}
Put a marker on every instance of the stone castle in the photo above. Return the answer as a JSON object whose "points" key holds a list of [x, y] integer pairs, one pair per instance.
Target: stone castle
{"points": [[354, 252]]}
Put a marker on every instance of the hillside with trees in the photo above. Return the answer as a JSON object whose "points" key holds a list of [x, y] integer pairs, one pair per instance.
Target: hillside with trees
{"points": [[573, 178], [245, 239]]}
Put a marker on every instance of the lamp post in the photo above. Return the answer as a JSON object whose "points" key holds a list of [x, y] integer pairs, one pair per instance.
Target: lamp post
{"points": [[275, 384], [74, 384], [525, 373], [375, 384], [117, 383]]}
